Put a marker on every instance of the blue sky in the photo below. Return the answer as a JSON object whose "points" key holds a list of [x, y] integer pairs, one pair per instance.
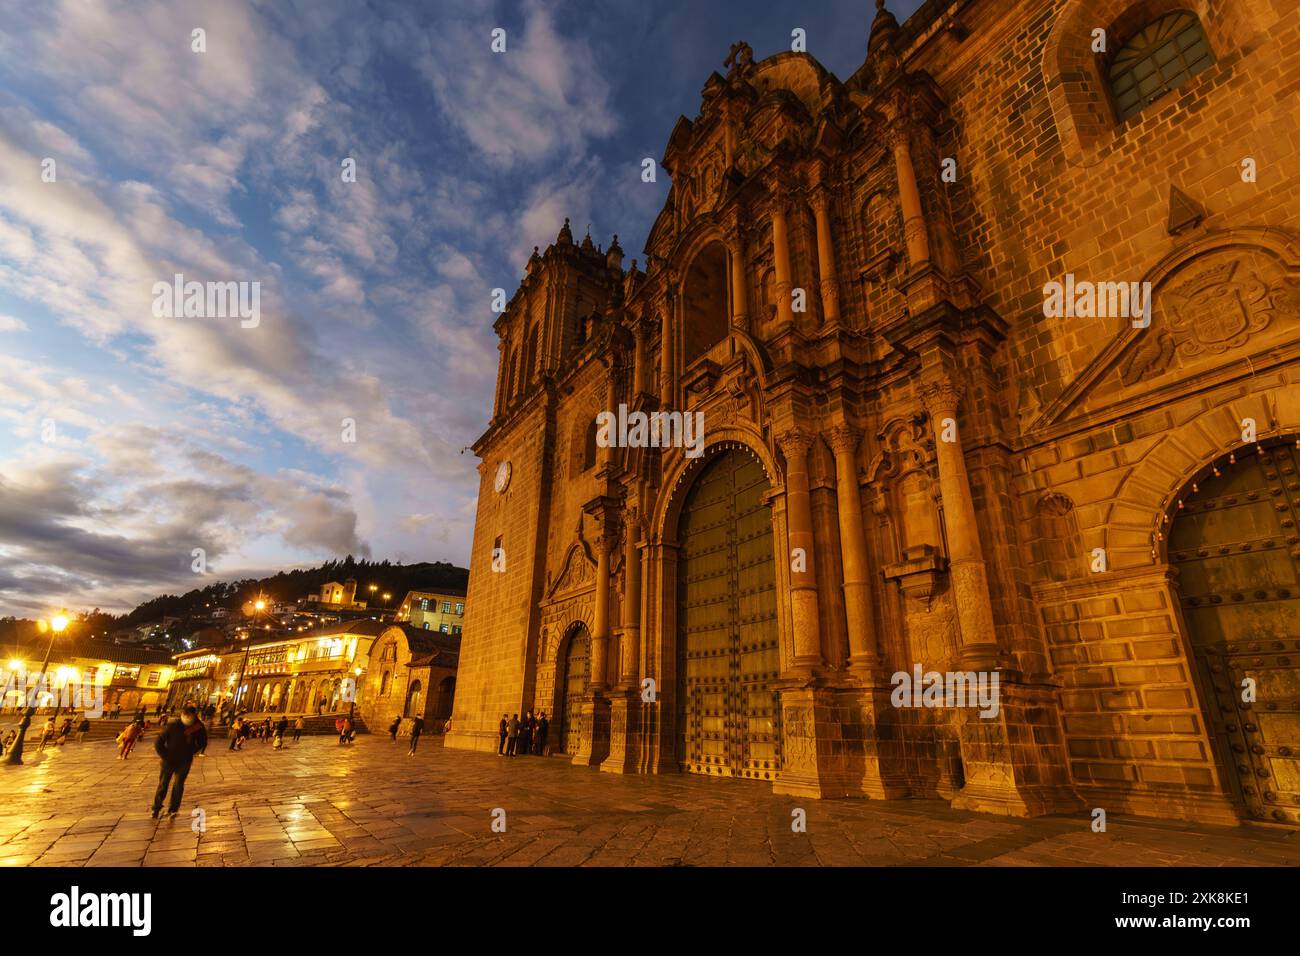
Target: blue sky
{"points": [[170, 434]]}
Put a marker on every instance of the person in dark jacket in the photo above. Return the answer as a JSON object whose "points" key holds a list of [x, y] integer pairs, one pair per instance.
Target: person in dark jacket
{"points": [[393, 728], [417, 728], [512, 735], [176, 747], [501, 747], [526, 727], [543, 726]]}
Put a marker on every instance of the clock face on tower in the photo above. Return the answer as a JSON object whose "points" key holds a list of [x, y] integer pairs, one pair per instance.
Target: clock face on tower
{"points": [[503, 476]]}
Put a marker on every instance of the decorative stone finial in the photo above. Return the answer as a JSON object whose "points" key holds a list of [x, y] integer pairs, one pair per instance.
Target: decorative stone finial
{"points": [[884, 31]]}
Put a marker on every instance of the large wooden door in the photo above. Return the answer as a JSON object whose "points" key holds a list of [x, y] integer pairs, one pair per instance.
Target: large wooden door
{"points": [[1237, 552], [728, 718], [577, 674]]}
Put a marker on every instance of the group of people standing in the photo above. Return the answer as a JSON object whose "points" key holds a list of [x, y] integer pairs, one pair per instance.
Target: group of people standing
{"points": [[527, 736], [270, 733]]}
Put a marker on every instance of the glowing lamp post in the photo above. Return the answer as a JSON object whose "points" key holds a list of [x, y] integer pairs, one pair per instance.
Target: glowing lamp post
{"points": [[258, 607], [356, 689], [57, 624]]}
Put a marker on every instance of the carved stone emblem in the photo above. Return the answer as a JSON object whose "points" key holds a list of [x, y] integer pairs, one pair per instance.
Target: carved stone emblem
{"points": [[1218, 308]]}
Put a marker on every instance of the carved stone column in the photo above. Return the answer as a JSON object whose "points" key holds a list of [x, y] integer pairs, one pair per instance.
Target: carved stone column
{"points": [[804, 612], [625, 712], [600, 637], [864, 655], [909, 197], [821, 204], [667, 374], [638, 359], [781, 261], [966, 555], [739, 298]]}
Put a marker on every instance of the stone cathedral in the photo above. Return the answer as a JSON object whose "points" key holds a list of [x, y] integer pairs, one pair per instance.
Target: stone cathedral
{"points": [[910, 463]]}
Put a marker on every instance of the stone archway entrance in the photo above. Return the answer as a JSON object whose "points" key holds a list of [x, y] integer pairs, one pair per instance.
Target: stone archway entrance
{"points": [[728, 715], [573, 686], [1235, 544]]}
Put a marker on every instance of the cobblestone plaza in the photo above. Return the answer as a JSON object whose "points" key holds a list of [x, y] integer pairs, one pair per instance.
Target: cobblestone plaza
{"points": [[319, 804]]}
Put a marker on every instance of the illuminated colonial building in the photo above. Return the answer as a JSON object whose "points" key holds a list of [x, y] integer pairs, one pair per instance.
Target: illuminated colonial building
{"points": [[907, 460], [442, 611], [128, 677]]}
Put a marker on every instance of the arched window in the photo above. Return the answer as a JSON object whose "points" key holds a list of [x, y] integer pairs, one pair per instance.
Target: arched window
{"points": [[1161, 57], [589, 447], [705, 314]]}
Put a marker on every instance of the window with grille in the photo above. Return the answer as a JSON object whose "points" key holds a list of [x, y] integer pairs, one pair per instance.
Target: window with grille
{"points": [[1163, 56]]}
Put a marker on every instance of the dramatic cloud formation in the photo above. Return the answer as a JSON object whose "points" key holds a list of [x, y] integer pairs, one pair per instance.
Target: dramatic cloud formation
{"points": [[128, 440]]}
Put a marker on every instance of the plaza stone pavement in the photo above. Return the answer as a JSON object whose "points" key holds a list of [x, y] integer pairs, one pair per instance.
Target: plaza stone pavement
{"points": [[369, 804]]}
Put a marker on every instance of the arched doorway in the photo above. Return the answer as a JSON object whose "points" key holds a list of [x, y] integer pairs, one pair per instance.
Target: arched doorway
{"points": [[573, 683], [414, 695], [1234, 543], [446, 695], [728, 715]]}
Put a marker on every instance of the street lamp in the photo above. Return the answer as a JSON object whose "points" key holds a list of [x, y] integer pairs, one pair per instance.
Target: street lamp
{"points": [[356, 689], [258, 607], [57, 624]]}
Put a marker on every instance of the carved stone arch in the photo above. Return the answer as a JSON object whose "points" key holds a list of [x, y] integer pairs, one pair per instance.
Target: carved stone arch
{"points": [[679, 472], [581, 618], [1131, 526]]}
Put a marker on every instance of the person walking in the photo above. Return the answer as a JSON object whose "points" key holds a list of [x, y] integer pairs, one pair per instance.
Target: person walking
{"points": [[235, 729], [512, 735], [417, 728], [127, 738], [393, 728], [297, 729], [526, 733], [281, 726], [501, 747], [543, 727], [176, 748]]}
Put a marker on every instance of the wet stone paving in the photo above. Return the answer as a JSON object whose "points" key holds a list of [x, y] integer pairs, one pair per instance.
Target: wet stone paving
{"points": [[319, 804]]}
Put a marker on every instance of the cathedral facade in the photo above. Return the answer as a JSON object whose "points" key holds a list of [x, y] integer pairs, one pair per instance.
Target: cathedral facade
{"points": [[996, 345]]}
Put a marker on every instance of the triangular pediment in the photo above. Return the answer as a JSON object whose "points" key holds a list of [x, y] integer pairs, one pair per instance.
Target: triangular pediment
{"points": [[577, 571], [1213, 308]]}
